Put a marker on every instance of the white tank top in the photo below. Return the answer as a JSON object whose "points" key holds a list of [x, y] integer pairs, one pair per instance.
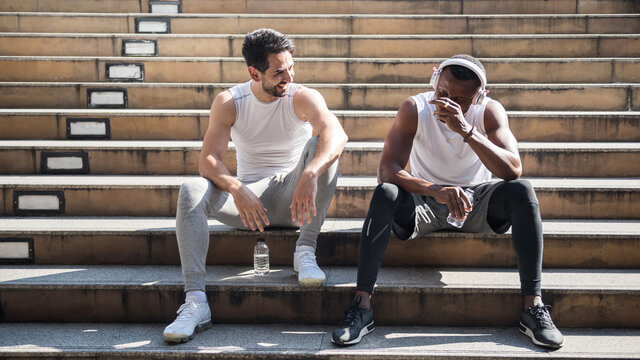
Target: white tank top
{"points": [[269, 137], [439, 155]]}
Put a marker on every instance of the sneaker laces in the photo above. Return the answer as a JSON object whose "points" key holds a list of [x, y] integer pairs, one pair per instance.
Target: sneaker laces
{"points": [[352, 313], [542, 314], [307, 259], [186, 310]]}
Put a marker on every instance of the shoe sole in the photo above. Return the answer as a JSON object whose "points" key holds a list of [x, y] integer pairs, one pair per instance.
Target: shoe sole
{"points": [[365, 330], [525, 330], [310, 282], [199, 328]]}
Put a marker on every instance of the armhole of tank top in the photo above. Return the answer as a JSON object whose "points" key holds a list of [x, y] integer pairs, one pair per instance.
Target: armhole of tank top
{"points": [[479, 123], [292, 110], [419, 100], [236, 95]]}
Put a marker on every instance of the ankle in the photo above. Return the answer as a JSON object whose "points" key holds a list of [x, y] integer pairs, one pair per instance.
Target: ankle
{"points": [[200, 296], [532, 301], [364, 298]]}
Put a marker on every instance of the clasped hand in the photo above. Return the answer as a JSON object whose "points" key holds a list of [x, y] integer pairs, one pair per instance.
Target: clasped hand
{"points": [[456, 200]]}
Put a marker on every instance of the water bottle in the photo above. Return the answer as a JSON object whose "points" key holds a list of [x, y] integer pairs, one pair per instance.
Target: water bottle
{"points": [[261, 258], [459, 223]]}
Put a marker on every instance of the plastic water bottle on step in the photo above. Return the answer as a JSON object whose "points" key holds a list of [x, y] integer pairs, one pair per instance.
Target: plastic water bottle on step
{"points": [[459, 223], [261, 258]]}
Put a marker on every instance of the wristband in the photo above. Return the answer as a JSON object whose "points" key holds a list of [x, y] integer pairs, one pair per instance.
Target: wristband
{"points": [[469, 134]]}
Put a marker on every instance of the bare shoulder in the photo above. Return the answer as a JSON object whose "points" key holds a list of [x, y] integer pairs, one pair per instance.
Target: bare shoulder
{"points": [[407, 117], [495, 116], [308, 103], [223, 109]]}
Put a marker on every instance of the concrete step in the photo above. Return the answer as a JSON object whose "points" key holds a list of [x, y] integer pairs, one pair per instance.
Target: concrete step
{"points": [[612, 159], [535, 97], [352, 46], [131, 124], [404, 296], [310, 70], [235, 341], [560, 198], [321, 24], [586, 244], [337, 6]]}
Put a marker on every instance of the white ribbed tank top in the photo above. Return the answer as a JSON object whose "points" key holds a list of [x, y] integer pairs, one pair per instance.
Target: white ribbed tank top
{"points": [[439, 155], [269, 137]]}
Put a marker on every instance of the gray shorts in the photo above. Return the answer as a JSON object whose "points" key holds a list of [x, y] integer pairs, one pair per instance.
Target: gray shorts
{"points": [[431, 216]]}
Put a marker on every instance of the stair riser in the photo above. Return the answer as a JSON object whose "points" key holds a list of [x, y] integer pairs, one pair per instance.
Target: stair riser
{"points": [[550, 163], [184, 45], [334, 249], [145, 96], [328, 25], [347, 202], [192, 127], [338, 6], [310, 71], [412, 306]]}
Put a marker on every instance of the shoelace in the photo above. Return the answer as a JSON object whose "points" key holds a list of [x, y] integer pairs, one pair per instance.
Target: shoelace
{"points": [[542, 314], [186, 310], [308, 259], [352, 313]]}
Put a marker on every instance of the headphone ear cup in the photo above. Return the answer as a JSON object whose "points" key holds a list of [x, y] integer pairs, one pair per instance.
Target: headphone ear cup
{"points": [[434, 78], [478, 98]]}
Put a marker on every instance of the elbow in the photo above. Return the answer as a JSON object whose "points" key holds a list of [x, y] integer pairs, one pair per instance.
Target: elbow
{"points": [[512, 174], [202, 166], [383, 175]]}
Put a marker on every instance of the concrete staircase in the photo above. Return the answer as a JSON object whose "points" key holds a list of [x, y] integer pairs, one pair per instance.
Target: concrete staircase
{"points": [[102, 107]]}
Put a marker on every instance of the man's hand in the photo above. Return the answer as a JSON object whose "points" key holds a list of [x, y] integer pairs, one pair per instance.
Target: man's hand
{"points": [[304, 199], [252, 212], [450, 113], [455, 198]]}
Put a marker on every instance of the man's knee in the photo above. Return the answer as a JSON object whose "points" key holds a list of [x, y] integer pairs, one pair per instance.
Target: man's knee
{"points": [[385, 193], [520, 192], [192, 193], [309, 150]]}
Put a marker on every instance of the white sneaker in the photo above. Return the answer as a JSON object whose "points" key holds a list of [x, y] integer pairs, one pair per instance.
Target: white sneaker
{"points": [[192, 318], [305, 265]]}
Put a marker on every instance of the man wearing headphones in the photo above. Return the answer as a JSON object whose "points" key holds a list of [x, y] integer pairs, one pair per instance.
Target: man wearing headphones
{"points": [[455, 138]]}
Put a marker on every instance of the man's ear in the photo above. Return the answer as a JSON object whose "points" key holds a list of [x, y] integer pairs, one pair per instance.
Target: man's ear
{"points": [[255, 73]]}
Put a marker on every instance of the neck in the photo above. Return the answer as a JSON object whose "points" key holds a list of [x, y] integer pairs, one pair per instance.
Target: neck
{"points": [[260, 94]]}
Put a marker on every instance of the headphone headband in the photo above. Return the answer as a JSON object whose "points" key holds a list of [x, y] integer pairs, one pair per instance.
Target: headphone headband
{"points": [[467, 64]]}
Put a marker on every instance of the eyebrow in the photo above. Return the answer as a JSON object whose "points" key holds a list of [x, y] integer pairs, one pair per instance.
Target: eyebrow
{"points": [[283, 69]]}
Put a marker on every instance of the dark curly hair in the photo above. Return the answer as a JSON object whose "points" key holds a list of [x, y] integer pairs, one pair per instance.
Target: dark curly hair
{"points": [[258, 44]]}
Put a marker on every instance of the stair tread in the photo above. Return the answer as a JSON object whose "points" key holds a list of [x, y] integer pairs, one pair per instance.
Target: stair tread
{"points": [[280, 277], [344, 181], [235, 341], [69, 225]]}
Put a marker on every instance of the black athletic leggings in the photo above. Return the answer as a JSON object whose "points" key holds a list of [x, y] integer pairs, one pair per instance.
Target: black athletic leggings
{"points": [[513, 202]]}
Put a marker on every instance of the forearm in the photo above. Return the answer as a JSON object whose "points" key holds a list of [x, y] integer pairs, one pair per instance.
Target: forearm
{"points": [[395, 174], [212, 168], [501, 162]]}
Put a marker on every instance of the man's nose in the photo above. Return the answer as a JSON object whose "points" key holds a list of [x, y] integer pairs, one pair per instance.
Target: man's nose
{"points": [[289, 76]]}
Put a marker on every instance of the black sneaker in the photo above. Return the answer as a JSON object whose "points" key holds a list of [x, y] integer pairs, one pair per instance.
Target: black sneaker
{"points": [[357, 323], [536, 323]]}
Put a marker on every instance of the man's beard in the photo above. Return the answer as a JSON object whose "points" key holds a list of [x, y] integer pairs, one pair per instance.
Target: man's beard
{"points": [[273, 91]]}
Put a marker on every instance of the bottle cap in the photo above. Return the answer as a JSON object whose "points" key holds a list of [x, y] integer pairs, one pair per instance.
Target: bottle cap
{"points": [[260, 239]]}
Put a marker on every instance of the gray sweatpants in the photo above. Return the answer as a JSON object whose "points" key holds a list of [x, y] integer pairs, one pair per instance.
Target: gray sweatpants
{"points": [[200, 199]]}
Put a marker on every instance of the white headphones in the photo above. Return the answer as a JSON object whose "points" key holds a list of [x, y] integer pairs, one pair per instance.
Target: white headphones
{"points": [[479, 97]]}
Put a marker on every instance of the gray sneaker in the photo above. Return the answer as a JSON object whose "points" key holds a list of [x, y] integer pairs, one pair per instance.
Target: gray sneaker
{"points": [[536, 323], [357, 323]]}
